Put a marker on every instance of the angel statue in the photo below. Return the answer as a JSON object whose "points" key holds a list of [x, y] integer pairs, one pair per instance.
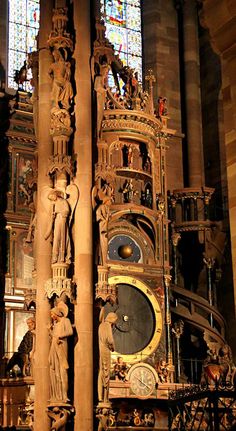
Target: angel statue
{"points": [[59, 331], [60, 206]]}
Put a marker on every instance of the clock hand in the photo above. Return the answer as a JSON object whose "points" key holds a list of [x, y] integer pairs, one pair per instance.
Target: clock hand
{"points": [[143, 383]]}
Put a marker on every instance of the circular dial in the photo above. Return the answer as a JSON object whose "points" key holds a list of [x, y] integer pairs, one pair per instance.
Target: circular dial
{"points": [[137, 331], [124, 248], [142, 379], [136, 321]]}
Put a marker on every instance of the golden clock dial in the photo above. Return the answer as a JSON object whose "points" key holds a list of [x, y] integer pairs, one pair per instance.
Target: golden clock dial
{"points": [[143, 379]]}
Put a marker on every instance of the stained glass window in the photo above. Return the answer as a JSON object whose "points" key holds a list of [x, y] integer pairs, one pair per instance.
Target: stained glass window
{"points": [[23, 29], [123, 29]]}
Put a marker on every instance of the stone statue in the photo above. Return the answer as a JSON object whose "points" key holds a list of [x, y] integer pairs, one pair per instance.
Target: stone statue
{"points": [[106, 346], [61, 250], [60, 330], [24, 356], [100, 86], [102, 216], [60, 206], [62, 92], [103, 198]]}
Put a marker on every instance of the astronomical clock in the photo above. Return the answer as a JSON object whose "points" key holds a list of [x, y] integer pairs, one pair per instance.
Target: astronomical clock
{"points": [[130, 214]]}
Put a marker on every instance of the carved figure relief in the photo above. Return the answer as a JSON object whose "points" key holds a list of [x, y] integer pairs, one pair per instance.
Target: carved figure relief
{"points": [[59, 331], [60, 71], [60, 122]]}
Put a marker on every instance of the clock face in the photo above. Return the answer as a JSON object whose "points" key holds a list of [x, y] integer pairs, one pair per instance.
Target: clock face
{"points": [[138, 329], [142, 379], [136, 321], [124, 249]]}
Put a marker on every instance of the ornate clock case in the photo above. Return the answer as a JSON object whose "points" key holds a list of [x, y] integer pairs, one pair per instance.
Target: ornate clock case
{"points": [[129, 199], [133, 257]]}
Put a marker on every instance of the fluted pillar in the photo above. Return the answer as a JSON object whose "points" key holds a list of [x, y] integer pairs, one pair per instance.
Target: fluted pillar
{"points": [[83, 359], [43, 247], [192, 92]]}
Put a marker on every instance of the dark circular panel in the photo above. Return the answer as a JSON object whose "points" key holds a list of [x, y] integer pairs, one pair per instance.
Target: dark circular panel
{"points": [[136, 321], [124, 248]]}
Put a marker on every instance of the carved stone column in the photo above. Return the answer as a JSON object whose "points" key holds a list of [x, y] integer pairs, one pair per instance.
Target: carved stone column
{"points": [[83, 354], [219, 18], [57, 199], [43, 247], [192, 91]]}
